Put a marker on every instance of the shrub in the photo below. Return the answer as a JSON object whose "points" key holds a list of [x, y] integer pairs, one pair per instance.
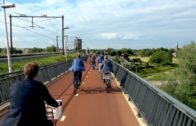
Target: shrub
{"points": [[161, 57]]}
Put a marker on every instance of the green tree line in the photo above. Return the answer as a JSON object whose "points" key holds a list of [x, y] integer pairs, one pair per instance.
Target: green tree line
{"points": [[182, 83]]}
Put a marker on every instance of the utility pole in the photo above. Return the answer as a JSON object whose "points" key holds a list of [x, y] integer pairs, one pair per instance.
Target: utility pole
{"points": [[57, 45], [63, 35], [8, 48], [25, 16], [65, 42], [66, 46], [11, 43]]}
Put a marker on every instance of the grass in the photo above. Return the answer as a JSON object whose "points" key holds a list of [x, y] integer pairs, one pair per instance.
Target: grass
{"points": [[17, 66], [144, 59], [156, 73]]}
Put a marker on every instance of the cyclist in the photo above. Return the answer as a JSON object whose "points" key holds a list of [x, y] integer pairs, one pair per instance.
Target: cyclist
{"points": [[100, 62], [107, 67], [93, 61], [27, 101], [77, 68]]}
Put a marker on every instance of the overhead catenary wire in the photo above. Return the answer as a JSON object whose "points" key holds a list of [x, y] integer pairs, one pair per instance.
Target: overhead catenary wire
{"points": [[38, 26], [19, 3], [29, 30]]}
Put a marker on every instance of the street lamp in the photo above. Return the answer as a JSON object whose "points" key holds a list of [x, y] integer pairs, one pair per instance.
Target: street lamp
{"points": [[66, 43], [8, 49]]}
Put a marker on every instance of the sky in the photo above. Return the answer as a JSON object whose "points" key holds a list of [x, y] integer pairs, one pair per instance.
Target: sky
{"points": [[103, 24]]}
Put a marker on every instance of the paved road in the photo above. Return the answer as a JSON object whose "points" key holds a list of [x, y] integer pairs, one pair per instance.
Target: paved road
{"points": [[92, 106]]}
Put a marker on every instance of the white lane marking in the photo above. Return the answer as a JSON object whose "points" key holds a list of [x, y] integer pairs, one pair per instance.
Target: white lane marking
{"points": [[77, 94], [63, 118]]}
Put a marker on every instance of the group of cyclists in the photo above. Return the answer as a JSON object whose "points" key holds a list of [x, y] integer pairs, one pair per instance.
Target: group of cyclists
{"points": [[105, 66], [28, 97]]}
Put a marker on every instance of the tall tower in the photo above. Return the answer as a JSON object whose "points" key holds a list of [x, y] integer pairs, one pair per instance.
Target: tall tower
{"points": [[177, 47], [77, 44]]}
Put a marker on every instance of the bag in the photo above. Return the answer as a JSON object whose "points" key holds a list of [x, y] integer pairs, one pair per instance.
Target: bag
{"points": [[53, 113]]}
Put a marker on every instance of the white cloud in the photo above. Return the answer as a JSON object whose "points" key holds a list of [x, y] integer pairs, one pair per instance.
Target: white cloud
{"points": [[130, 36], [110, 21], [119, 35], [109, 35]]}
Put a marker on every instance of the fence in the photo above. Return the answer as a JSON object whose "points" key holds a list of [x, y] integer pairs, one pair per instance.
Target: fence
{"points": [[157, 107], [46, 73], [16, 58]]}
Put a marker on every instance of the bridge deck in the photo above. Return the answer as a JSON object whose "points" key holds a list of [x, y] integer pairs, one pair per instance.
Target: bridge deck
{"points": [[92, 106]]}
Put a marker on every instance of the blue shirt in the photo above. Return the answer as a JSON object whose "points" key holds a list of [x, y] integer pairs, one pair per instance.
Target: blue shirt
{"points": [[77, 65], [107, 66], [100, 59]]}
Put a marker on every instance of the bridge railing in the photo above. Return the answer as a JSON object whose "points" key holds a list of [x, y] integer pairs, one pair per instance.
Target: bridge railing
{"points": [[16, 58], [157, 107], [46, 73]]}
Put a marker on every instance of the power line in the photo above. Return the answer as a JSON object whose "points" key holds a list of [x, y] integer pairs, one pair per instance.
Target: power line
{"points": [[15, 11], [41, 27], [29, 30], [16, 1], [38, 26], [44, 20]]}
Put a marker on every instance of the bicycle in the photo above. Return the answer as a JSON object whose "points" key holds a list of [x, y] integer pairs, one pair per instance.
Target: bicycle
{"points": [[76, 82], [93, 65], [107, 81]]}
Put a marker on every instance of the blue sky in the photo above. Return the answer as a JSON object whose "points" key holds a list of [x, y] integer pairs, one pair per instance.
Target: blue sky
{"points": [[105, 23]]}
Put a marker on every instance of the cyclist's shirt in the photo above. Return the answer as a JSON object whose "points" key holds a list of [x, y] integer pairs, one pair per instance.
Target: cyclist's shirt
{"points": [[77, 65]]}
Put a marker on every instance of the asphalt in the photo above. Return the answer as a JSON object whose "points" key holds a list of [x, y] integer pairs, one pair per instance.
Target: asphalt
{"points": [[92, 105]]}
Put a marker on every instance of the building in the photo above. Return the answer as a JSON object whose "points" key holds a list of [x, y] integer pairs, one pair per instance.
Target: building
{"points": [[77, 44], [176, 50]]}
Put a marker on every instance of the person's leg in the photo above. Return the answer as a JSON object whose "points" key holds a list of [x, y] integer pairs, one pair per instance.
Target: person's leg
{"points": [[74, 77], [50, 123], [80, 76], [100, 67]]}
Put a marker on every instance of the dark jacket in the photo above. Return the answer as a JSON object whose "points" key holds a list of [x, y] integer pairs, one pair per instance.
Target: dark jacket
{"points": [[27, 104]]}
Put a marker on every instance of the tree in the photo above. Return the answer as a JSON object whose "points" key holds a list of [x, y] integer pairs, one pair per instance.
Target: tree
{"points": [[148, 52], [186, 89], [161, 57], [126, 51], [51, 48], [182, 85], [111, 51], [35, 50], [17, 51]]}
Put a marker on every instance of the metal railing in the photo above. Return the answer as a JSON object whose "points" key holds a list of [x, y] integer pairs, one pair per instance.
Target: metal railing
{"points": [[157, 107], [16, 58], [46, 73]]}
